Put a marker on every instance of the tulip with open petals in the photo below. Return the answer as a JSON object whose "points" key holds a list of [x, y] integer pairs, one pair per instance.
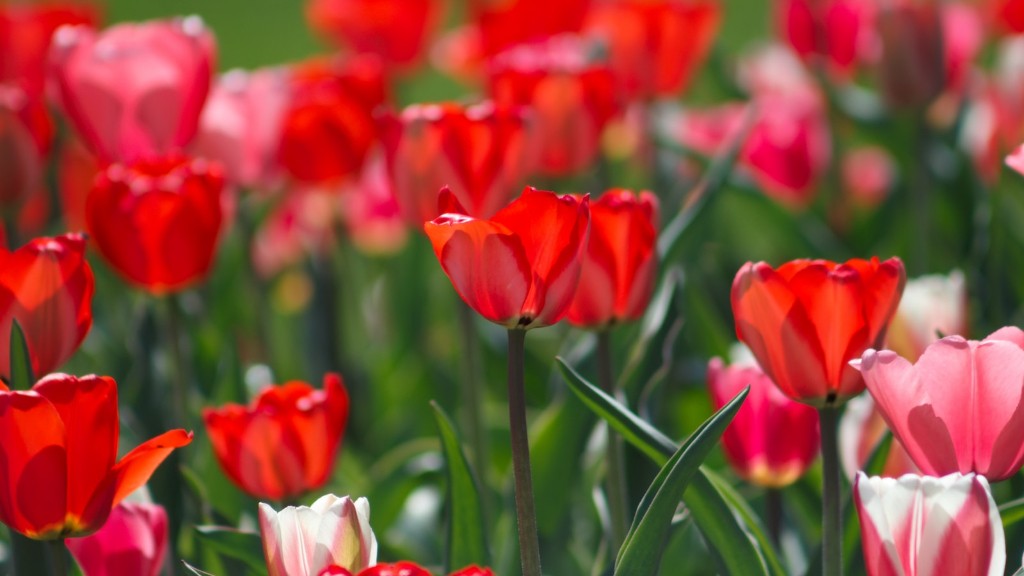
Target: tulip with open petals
{"points": [[958, 408], [333, 533], [927, 526], [59, 473], [133, 541]]}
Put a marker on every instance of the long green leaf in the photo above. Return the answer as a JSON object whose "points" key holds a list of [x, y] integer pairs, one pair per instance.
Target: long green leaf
{"points": [[21, 375], [244, 546], [467, 543], [747, 514]]}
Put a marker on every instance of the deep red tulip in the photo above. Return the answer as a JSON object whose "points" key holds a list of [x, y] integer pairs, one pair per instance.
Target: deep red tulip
{"points": [[621, 261], [47, 287], [328, 127], [520, 268], [26, 29], [656, 46], [59, 473], [133, 541], [134, 90], [504, 24], [572, 98], [397, 569], [772, 440], [283, 444], [841, 32], [157, 221], [805, 321], [481, 153]]}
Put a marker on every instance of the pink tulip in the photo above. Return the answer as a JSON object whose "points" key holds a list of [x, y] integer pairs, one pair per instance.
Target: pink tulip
{"points": [[956, 409], [840, 32], [303, 541], [925, 526], [133, 541], [134, 90]]}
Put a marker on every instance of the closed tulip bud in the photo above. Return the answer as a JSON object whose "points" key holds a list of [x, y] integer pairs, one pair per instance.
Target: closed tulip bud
{"points": [[133, 541], [332, 536]]}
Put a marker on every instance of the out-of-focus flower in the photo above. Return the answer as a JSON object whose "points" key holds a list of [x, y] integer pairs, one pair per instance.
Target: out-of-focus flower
{"points": [[284, 444], [132, 541], [932, 306], [925, 526], [839, 32], [61, 476], [134, 90], [772, 440], [520, 268], [655, 47], [307, 541], [868, 174], [993, 124], [1008, 15], [370, 211], [482, 153], [301, 223], [157, 221], [861, 429], [76, 174], [21, 151], [620, 263], [911, 66], [47, 287], [26, 29], [572, 97], [505, 24], [955, 410], [805, 321]]}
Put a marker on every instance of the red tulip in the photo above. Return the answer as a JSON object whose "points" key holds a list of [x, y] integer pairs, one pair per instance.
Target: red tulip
{"points": [[403, 569], [621, 261], [134, 90], [956, 409], [59, 473], [21, 149], [157, 221], [47, 287], [283, 444], [520, 268], [839, 31], [505, 24], [772, 440], [805, 321], [25, 33], [133, 541]]}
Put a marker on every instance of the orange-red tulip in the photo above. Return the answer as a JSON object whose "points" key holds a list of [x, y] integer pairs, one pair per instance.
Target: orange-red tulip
{"points": [[285, 443], [59, 473], [805, 321], [505, 24], [404, 568]]}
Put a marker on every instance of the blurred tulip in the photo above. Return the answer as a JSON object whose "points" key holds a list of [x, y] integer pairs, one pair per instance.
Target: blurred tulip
{"points": [[76, 174], [805, 321], [134, 90], [993, 123], [861, 429], [520, 268], [505, 24], [572, 98], [956, 409], [480, 152], [21, 156], [284, 444], [47, 286], [1008, 15], [302, 223], [839, 32], [620, 263], [58, 450], [308, 541], [132, 541], [925, 526], [868, 174], [157, 221], [370, 211], [772, 440], [932, 306], [912, 61], [26, 29]]}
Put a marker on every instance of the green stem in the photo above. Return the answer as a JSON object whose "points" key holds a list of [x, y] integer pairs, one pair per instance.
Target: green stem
{"points": [[618, 498], [178, 378], [526, 515], [10, 220], [831, 516], [58, 558], [773, 514], [920, 195], [473, 405]]}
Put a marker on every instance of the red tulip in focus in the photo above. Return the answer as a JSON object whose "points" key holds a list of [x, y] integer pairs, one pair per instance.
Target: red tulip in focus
{"points": [[926, 526], [656, 46], [157, 221], [520, 268], [133, 541], [621, 261], [840, 32], [956, 409], [333, 536], [328, 126], [283, 444], [505, 24], [59, 473], [805, 321], [481, 153], [861, 429], [932, 306], [772, 440], [134, 90], [572, 99], [47, 286]]}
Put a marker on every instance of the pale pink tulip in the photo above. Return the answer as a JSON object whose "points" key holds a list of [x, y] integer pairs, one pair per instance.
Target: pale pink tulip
{"points": [[931, 305], [925, 526], [133, 541], [861, 429], [959, 408], [303, 541]]}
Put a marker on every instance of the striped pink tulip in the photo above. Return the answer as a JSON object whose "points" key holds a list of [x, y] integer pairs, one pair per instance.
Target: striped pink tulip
{"points": [[306, 540]]}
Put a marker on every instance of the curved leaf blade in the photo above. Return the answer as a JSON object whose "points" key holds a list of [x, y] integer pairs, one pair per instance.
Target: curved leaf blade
{"points": [[244, 546]]}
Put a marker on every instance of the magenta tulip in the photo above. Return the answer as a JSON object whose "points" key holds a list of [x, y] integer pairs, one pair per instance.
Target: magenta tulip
{"points": [[133, 541]]}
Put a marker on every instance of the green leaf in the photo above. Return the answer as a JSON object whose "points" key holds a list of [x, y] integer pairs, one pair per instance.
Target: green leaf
{"points": [[467, 543], [197, 571], [22, 377], [1012, 512], [640, 554], [558, 438], [244, 546], [746, 513]]}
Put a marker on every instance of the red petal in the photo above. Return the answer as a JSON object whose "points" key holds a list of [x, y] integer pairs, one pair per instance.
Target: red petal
{"points": [[138, 465]]}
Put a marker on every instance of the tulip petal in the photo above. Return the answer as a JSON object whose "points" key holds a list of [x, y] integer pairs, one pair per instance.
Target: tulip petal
{"points": [[137, 466], [998, 414]]}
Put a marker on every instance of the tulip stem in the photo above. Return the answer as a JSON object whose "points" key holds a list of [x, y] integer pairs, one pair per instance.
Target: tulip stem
{"points": [[179, 382], [471, 387], [526, 515], [831, 516], [58, 560], [615, 472], [773, 514]]}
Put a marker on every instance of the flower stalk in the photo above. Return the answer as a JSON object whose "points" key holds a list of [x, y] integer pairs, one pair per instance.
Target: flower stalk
{"points": [[832, 536], [526, 515]]}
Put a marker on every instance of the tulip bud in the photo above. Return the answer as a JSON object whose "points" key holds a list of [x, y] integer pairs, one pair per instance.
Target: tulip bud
{"points": [[133, 541], [305, 541]]}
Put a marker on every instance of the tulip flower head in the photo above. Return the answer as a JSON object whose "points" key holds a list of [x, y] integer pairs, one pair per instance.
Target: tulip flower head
{"points": [[520, 268], [806, 320], [841, 32], [133, 541], [333, 536], [503, 25], [927, 526], [404, 568], [59, 473], [26, 29]]}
